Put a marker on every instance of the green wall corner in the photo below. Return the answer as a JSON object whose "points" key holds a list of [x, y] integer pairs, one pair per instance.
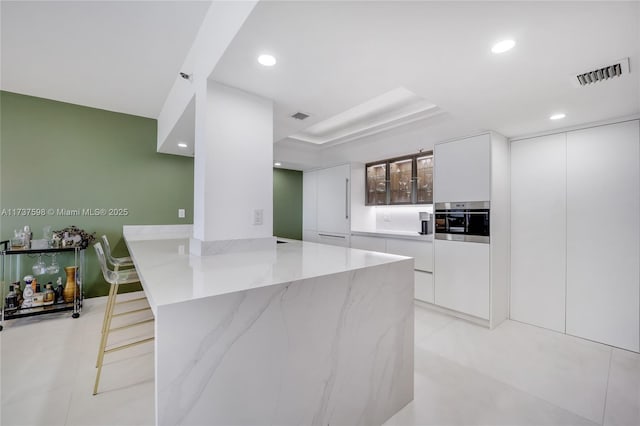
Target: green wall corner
{"points": [[287, 203], [55, 155]]}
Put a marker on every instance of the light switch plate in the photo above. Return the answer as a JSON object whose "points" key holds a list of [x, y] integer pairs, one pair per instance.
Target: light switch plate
{"points": [[258, 216]]}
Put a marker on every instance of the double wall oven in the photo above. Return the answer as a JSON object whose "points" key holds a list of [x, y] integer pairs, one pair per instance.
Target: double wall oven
{"points": [[463, 221]]}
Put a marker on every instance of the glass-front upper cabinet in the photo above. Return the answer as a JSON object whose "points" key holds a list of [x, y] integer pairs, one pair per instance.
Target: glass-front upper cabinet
{"points": [[401, 180], [377, 184], [424, 179]]}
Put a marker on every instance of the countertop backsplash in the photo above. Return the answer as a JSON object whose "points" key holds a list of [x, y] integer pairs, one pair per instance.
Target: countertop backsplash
{"points": [[400, 218]]}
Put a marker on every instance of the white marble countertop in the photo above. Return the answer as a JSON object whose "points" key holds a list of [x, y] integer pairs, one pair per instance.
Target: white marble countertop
{"points": [[405, 235], [169, 274]]}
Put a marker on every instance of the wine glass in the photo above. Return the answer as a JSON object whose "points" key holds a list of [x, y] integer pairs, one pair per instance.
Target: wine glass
{"points": [[39, 267], [54, 268]]}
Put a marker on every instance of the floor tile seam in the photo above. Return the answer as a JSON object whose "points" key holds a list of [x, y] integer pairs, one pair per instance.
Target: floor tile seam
{"points": [[438, 330], [512, 386], [606, 391]]}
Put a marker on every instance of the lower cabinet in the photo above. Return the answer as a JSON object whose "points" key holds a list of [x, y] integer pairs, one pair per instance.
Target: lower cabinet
{"points": [[369, 243], [341, 240], [421, 251], [462, 272], [423, 286]]}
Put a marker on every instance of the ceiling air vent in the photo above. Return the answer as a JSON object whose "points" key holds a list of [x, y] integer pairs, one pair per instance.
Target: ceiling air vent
{"points": [[300, 116], [616, 69]]}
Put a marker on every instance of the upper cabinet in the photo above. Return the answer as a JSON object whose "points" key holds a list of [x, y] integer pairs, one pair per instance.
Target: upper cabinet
{"points": [[376, 184], [424, 179], [463, 170], [404, 180], [401, 175]]}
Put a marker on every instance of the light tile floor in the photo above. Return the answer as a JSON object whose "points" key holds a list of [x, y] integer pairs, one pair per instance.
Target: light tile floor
{"points": [[464, 375]]}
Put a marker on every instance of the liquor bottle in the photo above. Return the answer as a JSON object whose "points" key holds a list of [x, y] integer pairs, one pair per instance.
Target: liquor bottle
{"points": [[11, 301], [49, 295], [18, 290]]}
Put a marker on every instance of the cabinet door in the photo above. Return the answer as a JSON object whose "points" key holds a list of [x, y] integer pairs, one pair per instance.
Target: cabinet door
{"points": [[421, 251], [461, 277], [401, 181], [424, 179], [341, 240], [462, 170], [423, 286], [368, 243], [309, 200], [538, 231], [376, 184], [333, 200], [603, 229]]}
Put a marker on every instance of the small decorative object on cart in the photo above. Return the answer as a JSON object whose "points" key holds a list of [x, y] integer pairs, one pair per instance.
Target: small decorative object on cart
{"points": [[72, 236]]}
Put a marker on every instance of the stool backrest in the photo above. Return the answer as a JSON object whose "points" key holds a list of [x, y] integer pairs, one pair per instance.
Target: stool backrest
{"points": [[106, 272]]}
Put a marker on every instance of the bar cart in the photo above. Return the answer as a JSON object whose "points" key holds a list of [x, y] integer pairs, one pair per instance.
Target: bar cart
{"points": [[14, 266]]}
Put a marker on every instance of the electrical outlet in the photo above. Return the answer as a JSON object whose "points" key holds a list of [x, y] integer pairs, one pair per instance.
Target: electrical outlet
{"points": [[386, 217], [181, 214], [258, 216]]}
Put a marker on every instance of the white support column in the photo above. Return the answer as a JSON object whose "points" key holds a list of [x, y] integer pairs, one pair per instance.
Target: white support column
{"points": [[233, 170]]}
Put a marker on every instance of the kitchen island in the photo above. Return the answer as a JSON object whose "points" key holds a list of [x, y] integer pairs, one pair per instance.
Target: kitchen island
{"points": [[300, 334]]}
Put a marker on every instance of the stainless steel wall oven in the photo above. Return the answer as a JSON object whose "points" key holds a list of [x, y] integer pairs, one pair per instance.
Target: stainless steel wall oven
{"points": [[463, 221]]}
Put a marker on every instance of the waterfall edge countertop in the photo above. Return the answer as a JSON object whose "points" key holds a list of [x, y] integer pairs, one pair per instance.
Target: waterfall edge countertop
{"points": [[169, 274]]}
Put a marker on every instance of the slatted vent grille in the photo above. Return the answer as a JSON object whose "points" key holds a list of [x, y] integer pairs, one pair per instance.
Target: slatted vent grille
{"points": [[300, 116], [600, 74]]}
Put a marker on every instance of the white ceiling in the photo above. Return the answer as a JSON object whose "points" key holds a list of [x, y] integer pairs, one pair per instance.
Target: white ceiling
{"points": [[116, 55], [334, 56]]}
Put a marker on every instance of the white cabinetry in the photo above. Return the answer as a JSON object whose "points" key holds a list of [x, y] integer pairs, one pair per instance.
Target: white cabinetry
{"points": [[368, 243], [325, 205], [603, 234], [538, 231], [421, 251], [575, 226], [333, 200], [309, 201], [462, 170], [474, 169], [462, 271]]}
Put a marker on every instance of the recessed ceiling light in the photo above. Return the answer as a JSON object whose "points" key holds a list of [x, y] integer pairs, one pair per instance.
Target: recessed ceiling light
{"points": [[558, 116], [267, 60], [277, 164], [182, 145], [503, 46]]}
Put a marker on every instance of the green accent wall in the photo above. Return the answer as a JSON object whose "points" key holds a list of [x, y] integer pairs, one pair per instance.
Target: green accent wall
{"points": [[287, 203], [55, 155]]}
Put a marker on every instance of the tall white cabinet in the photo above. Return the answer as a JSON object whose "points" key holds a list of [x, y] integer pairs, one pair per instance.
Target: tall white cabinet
{"points": [[603, 234], [471, 279], [326, 205], [575, 233], [538, 231]]}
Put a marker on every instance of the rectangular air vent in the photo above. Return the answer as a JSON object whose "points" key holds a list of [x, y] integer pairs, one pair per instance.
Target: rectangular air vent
{"points": [[604, 73], [300, 116]]}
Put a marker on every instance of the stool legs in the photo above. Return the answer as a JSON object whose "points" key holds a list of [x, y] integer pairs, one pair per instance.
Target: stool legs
{"points": [[105, 333]]}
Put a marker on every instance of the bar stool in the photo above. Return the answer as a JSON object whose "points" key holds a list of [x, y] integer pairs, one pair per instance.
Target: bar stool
{"points": [[116, 263], [115, 278]]}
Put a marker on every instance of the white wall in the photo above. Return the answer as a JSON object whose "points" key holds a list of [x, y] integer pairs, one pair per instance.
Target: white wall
{"points": [[233, 166]]}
